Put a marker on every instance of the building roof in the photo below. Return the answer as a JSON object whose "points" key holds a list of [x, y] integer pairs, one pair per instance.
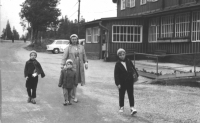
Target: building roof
{"points": [[114, 1], [113, 18]]}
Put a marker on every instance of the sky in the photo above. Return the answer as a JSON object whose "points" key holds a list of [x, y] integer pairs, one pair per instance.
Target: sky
{"points": [[89, 9]]}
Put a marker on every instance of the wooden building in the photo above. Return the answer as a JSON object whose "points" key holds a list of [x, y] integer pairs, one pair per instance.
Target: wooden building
{"points": [[146, 26]]}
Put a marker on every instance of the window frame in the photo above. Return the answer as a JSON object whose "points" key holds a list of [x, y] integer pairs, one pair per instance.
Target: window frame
{"points": [[132, 2], [167, 29], [126, 36], [88, 35], [143, 2], [123, 4], [95, 34], [154, 25], [195, 29], [182, 27]]}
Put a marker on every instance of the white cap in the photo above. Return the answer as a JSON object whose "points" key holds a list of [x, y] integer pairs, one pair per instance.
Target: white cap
{"points": [[69, 60], [74, 35], [120, 50], [33, 51]]}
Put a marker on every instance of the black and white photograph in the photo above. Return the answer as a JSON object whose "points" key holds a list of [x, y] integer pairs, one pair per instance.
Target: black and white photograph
{"points": [[99, 61]]}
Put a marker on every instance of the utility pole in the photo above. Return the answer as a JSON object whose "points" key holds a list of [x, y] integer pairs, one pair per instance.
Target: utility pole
{"points": [[78, 14], [0, 20]]}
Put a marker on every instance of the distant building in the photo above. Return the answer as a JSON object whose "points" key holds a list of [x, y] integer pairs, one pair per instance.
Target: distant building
{"points": [[146, 26]]}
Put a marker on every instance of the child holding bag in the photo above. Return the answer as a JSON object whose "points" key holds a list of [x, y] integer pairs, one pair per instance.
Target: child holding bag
{"points": [[124, 79], [31, 71]]}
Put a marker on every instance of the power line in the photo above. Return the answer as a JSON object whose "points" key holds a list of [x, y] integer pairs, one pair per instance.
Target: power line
{"points": [[73, 7], [73, 13]]}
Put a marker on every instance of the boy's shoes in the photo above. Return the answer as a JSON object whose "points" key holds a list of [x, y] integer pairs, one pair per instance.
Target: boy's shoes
{"points": [[65, 103], [33, 101], [133, 111], [121, 109], [76, 100], [29, 100], [69, 103]]}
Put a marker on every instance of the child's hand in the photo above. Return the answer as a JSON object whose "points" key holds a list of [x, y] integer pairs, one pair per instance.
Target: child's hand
{"points": [[62, 67], [26, 77], [34, 75], [86, 66], [119, 86]]}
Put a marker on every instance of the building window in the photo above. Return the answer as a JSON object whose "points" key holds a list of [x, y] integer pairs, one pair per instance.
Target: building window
{"points": [[143, 2], [182, 24], [196, 26], [88, 35], [167, 26], [95, 35], [127, 33], [92, 35], [132, 3], [154, 29], [123, 4]]}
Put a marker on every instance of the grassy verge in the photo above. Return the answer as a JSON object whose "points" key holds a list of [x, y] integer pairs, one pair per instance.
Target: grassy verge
{"points": [[185, 81], [39, 47]]}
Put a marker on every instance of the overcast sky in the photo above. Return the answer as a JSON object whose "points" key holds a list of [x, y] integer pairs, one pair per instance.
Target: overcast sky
{"points": [[89, 9]]}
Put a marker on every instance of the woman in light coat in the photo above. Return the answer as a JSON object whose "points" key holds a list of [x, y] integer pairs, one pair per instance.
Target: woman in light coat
{"points": [[77, 53]]}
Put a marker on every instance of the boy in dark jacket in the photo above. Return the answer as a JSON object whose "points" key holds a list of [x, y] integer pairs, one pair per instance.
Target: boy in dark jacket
{"points": [[67, 81], [124, 75], [31, 71]]}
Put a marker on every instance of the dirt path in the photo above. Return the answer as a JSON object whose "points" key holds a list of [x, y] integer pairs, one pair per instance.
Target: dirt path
{"points": [[98, 99]]}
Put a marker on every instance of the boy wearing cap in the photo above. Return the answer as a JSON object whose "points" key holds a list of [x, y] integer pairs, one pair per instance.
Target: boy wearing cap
{"points": [[31, 71], [67, 81], [123, 75]]}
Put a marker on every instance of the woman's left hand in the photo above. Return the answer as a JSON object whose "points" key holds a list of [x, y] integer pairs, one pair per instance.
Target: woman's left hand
{"points": [[86, 66]]}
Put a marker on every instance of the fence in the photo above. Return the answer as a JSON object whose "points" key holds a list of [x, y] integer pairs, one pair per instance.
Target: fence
{"points": [[163, 66]]}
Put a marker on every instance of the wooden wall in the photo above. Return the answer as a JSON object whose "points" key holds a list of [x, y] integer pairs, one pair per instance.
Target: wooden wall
{"points": [[151, 7]]}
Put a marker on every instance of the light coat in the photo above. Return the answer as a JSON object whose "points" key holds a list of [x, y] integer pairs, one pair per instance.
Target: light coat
{"points": [[78, 62]]}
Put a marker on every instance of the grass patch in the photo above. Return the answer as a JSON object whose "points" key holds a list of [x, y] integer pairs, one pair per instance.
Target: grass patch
{"points": [[187, 81], [39, 47]]}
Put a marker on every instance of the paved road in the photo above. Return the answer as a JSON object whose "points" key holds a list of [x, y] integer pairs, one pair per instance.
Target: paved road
{"points": [[98, 99]]}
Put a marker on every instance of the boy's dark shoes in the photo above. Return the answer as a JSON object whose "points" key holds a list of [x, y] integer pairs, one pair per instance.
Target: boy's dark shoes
{"points": [[29, 100], [33, 101], [69, 103], [65, 104]]}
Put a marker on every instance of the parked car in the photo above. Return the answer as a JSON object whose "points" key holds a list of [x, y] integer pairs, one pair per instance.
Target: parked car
{"points": [[58, 46], [82, 41]]}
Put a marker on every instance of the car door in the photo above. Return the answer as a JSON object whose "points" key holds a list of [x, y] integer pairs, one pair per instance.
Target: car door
{"points": [[65, 43], [59, 44]]}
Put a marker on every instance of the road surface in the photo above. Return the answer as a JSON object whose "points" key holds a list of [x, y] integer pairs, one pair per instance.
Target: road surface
{"points": [[98, 99]]}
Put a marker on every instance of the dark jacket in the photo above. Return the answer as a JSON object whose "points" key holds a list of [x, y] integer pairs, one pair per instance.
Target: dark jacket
{"points": [[123, 76], [67, 78], [32, 65]]}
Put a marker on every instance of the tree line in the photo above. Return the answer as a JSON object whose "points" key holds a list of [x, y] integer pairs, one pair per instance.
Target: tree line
{"points": [[7, 34], [41, 19]]}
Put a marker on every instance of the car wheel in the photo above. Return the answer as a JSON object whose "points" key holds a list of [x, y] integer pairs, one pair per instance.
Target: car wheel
{"points": [[56, 51]]}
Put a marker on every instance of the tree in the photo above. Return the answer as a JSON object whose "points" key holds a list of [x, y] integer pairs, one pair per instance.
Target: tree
{"points": [[15, 34], [7, 33], [40, 14]]}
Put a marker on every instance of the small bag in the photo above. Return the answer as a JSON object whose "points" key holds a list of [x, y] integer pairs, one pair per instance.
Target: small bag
{"points": [[135, 77]]}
